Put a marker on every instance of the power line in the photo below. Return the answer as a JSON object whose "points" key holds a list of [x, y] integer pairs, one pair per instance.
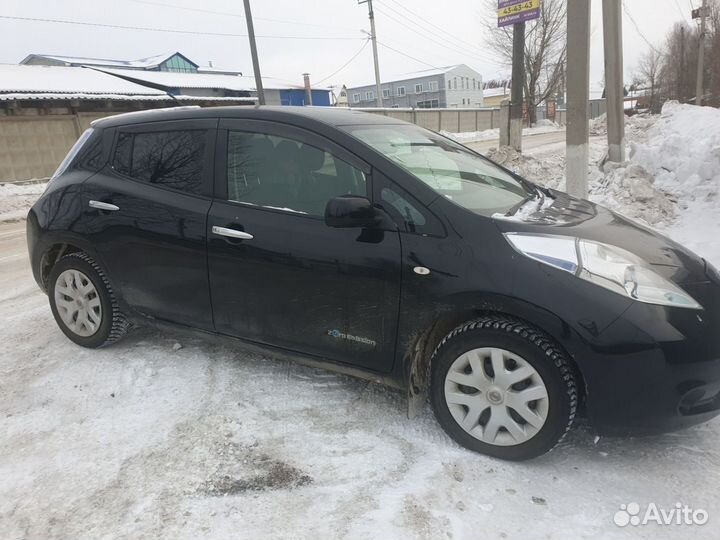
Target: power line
{"points": [[450, 46], [637, 29], [170, 30], [408, 56], [346, 64], [233, 14], [682, 13], [461, 42]]}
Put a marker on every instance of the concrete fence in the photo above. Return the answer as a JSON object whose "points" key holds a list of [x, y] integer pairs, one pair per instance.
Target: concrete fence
{"points": [[33, 146], [453, 120]]}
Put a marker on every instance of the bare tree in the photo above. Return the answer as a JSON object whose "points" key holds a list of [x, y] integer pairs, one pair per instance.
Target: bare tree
{"points": [[545, 50], [648, 76]]}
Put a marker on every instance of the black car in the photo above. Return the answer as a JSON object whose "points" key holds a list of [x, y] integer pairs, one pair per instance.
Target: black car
{"points": [[387, 251]]}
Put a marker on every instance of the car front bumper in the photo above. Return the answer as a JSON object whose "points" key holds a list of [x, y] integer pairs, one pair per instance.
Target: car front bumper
{"points": [[656, 369]]}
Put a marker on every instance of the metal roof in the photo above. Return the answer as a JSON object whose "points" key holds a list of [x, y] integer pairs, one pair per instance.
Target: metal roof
{"points": [[171, 79], [16, 79], [142, 63]]}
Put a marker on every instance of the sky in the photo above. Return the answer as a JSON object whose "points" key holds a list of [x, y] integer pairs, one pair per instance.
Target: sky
{"points": [[293, 37]]}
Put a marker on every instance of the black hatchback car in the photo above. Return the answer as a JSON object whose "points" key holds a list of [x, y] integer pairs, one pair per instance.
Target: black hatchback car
{"points": [[384, 250]]}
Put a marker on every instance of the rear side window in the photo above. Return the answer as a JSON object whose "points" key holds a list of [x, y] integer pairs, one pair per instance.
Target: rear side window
{"points": [[172, 159]]}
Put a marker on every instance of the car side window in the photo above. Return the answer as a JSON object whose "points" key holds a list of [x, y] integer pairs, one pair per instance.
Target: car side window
{"points": [[173, 159], [281, 173], [409, 214]]}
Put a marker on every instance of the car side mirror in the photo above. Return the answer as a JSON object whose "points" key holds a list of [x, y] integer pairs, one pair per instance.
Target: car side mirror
{"points": [[348, 211]]}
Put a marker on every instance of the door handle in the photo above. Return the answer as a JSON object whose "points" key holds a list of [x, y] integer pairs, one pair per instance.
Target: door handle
{"points": [[99, 205], [231, 233]]}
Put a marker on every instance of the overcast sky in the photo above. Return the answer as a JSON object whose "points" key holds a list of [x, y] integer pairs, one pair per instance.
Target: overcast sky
{"points": [[432, 32]]}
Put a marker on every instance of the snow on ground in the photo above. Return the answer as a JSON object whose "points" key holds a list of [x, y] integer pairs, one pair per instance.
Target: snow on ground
{"points": [[169, 436], [544, 126], [16, 199], [671, 180]]}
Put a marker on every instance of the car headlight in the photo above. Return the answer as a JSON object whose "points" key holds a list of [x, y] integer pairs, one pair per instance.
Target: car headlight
{"points": [[608, 266]]}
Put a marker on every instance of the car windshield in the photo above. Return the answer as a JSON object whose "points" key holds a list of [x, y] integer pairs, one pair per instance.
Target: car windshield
{"points": [[449, 168]]}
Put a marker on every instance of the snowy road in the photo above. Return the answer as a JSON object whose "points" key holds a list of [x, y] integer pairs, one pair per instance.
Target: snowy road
{"points": [[143, 441], [530, 142]]}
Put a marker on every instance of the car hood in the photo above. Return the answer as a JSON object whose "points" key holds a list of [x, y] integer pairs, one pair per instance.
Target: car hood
{"points": [[564, 215]]}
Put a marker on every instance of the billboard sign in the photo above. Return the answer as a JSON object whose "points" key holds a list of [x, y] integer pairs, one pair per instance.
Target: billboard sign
{"points": [[517, 11]]}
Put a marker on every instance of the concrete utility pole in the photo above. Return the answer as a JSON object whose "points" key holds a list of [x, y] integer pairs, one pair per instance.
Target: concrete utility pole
{"points": [[308, 89], [253, 52], [614, 87], [700, 89], [578, 89], [518, 86], [373, 35]]}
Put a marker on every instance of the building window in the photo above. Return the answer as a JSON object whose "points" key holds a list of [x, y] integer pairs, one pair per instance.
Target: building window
{"points": [[474, 84], [428, 104], [418, 88], [386, 93], [369, 95], [433, 86], [400, 91], [356, 98]]}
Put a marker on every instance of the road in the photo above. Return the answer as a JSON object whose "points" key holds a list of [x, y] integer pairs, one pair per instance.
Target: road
{"points": [[530, 142], [164, 436]]}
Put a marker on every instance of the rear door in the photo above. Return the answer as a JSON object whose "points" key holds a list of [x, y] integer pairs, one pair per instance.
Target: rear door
{"points": [[146, 213], [288, 279]]}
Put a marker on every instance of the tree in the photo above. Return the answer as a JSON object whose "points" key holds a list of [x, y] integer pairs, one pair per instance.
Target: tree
{"points": [[648, 75], [545, 50]]}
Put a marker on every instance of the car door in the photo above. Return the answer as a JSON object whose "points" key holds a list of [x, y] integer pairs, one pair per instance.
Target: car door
{"points": [[278, 274], [146, 213]]}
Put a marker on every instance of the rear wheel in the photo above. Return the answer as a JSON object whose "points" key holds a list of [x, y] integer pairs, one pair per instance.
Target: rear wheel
{"points": [[83, 303], [503, 388]]}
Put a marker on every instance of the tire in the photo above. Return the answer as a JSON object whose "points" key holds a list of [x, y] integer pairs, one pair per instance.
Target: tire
{"points": [[89, 313], [504, 419]]}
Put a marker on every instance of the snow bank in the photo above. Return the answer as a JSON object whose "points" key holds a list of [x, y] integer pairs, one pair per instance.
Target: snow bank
{"points": [[16, 199], [682, 153]]}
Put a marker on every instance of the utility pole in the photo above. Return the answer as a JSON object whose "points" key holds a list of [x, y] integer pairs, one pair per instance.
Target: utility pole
{"points": [[578, 81], [700, 89], [681, 77], [253, 52], [373, 36], [518, 86], [614, 87]]}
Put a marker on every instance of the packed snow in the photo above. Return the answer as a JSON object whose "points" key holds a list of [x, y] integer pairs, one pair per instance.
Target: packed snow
{"points": [[16, 199], [544, 126], [168, 436]]}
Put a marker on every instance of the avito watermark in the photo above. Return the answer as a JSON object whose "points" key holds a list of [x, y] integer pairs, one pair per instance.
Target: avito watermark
{"points": [[679, 514]]}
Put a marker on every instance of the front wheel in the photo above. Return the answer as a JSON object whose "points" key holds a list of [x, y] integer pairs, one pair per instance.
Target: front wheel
{"points": [[83, 303], [503, 388]]}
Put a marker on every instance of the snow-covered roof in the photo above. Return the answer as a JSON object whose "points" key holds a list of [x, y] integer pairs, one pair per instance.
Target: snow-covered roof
{"points": [[61, 80], [492, 92], [171, 79], [429, 72], [142, 63]]}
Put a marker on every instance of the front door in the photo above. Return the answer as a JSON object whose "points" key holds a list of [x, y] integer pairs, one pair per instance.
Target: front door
{"points": [[146, 213], [278, 274]]}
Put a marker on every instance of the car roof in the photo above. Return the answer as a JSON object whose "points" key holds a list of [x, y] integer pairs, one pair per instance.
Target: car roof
{"points": [[332, 116]]}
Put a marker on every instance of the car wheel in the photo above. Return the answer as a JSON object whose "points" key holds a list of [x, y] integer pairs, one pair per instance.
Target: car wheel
{"points": [[503, 388], [83, 303]]}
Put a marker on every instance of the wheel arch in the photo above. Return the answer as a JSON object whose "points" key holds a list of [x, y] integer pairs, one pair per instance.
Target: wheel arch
{"points": [[416, 357]]}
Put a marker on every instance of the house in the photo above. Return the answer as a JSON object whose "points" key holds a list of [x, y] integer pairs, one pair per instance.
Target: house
{"points": [[455, 86], [173, 61], [177, 75], [495, 92]]}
